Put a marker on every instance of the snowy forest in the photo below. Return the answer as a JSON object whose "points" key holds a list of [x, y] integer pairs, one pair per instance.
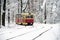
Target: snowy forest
{"points": [[45, 11], [41, 21]]}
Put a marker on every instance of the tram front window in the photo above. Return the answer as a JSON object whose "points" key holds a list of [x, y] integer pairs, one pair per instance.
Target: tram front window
{"points": [[29, 16]]}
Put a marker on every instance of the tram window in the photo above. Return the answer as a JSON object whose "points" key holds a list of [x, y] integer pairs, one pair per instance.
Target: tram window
{"points": [[29, 16], [18, 16]]}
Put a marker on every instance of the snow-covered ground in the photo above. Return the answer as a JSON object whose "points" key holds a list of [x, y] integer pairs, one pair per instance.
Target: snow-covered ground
{"points": [[53, 34], [36, 32]]}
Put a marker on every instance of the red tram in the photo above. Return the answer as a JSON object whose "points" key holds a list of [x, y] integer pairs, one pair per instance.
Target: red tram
{"points": [[25, 19]]}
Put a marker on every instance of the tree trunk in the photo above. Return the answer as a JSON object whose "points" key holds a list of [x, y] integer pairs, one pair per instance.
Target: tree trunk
{"points": [[0, 13], [3, 15], [21, 6], [45, 14]]}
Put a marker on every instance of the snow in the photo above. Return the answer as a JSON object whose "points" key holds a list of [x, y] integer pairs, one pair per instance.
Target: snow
{"points": [[20, 32], [52, 34], [43, 4]]}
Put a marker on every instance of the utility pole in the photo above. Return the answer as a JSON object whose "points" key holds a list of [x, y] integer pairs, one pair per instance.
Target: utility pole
{"points": [[3, 15], [0, 13]]}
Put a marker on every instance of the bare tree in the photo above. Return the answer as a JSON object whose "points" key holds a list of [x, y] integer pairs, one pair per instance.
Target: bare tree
{"points": [[0, 13]]}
